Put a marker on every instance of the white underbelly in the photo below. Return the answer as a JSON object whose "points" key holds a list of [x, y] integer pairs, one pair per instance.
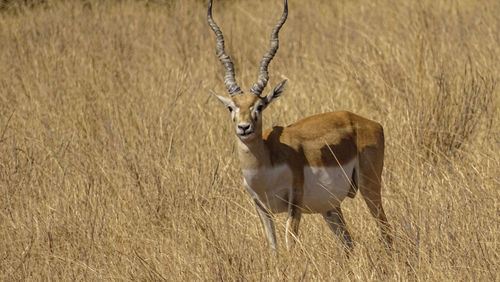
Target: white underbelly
{"points": [[324, 187]]}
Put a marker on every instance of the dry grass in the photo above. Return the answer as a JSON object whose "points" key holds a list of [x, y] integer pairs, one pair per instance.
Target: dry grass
{"points": [[115, 163]]}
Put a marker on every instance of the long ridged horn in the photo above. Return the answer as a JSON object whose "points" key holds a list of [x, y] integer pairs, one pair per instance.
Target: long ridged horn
{"points": [[263, 77], [229, 80]]}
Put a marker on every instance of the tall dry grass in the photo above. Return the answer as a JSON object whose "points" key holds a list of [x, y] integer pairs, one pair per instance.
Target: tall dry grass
{"points": [[116, 164]]}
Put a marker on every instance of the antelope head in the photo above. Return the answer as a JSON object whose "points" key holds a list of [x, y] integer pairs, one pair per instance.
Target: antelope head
{"points": [[246, 108]]}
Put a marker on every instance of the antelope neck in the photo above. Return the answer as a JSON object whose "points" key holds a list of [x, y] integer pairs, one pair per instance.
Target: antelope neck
{"points": [[253, 154]]}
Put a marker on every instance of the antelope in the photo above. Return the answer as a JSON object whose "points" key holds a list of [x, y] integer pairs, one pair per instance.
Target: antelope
{"points": [[310, 166]]}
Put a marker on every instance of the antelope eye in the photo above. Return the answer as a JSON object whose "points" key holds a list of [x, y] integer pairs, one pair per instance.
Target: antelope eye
{"points": [[230, 109], [259, 108]]}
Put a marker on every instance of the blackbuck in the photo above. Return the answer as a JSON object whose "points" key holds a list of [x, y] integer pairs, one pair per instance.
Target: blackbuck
{"points": [[310, 166]]}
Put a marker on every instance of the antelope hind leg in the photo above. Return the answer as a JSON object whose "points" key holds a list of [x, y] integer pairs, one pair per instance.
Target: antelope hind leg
{"points": [[336, 222]]}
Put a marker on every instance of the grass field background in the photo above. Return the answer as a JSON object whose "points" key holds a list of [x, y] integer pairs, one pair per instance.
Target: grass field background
{"points": [[116, 163]]}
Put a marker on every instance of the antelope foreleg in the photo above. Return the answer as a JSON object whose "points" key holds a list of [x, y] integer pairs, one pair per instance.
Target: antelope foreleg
{"points": [[294, 215], [268, 224]]}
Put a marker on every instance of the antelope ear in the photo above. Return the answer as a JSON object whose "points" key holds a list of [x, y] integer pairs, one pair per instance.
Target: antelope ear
{"points": [[276, 92], [226, 101]]}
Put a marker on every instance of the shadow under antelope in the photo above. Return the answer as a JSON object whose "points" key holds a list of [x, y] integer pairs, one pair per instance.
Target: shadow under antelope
{"points": [[310, 166]]}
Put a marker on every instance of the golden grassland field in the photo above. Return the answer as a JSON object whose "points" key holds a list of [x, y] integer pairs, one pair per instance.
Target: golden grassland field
{"points": [[117, 164]]}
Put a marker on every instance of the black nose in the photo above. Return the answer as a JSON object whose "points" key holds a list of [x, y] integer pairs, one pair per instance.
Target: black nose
{"points": [[244, 127]]}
